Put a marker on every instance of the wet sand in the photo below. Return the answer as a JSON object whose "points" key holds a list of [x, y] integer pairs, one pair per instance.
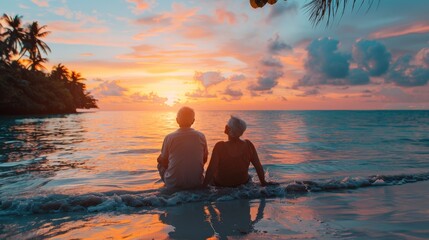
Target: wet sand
{"points": [[386, 212]]}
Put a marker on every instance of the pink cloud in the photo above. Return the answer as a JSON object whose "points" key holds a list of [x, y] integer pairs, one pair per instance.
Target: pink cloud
{"points": [[139, 5], [41, 3], [62, 11], [74, 27], [226, 16], [86, 54], [396, 31], [165, 22], [81, 41], [150, 97]]}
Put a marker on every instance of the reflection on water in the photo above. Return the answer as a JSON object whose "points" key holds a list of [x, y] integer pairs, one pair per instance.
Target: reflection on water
{"points": [[215, 220], [105, 151]]}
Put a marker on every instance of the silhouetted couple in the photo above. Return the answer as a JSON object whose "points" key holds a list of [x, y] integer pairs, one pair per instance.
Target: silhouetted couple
{"points": [[184, 153]]}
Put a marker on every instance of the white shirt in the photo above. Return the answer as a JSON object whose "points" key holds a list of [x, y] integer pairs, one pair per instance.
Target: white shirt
{"points": [[185, 152]]}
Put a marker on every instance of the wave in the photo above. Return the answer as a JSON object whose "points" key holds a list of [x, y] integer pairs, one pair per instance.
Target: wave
{"points": [[128, 200]]}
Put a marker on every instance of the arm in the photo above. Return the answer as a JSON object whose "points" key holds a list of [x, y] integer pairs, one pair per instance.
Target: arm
{"points": [[206, 150], [254, 159], [163, 159], [212, 168]]}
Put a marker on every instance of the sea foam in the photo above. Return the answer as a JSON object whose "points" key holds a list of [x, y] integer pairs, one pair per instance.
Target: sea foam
{"points": [[128, 200]]}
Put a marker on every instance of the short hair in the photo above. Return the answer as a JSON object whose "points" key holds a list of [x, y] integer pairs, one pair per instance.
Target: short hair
{"points": [[185, 117], [236, 127]]}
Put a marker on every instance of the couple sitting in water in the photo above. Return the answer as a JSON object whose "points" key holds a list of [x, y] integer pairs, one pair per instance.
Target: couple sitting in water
{"points": [[184, 153]]}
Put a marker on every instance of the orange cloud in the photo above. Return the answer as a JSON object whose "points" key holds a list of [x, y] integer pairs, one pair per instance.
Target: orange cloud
{"points": [[165, 22], [41, 3], [139, 5], [226, 16], [74, 27], [76, 40], [396, 31]]}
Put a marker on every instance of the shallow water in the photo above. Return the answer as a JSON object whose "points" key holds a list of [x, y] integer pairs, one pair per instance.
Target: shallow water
{"points": [[61, 171]]}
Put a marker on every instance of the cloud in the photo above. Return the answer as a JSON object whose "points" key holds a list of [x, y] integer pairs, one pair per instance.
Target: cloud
{"points": [[271, 67], [371, 56], [62, 11], [405, 73], [324, 57], [155, 19], [74, 27], [41, 3], [166, 22], [422, 58], [325, 65], [86, 54], [357, 77], [267, 80], [209, 78], [232, 94], [397, 31], [280, 9], [276, 46], [309, 92], [237, 77], [139, 5], [109, 88], [271, 62], [199, 93], [151, 98], [226, 16]]}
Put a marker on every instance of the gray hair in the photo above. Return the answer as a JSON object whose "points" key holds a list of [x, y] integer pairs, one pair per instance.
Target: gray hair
{"points": [[236, 127]]}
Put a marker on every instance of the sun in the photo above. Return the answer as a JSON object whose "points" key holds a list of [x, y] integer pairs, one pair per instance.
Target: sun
{"points": [[172, 98]]}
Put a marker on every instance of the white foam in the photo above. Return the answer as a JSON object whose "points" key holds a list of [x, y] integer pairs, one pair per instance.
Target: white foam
{"points": [[121, 201]]}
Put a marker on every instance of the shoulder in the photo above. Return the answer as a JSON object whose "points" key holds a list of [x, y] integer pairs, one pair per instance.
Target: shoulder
{"points": [[199, 133], [250, 144], [171, 135], [218, 145]]}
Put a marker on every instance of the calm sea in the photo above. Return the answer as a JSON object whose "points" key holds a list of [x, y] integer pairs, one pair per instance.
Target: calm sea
{"points": [[105, 162]]}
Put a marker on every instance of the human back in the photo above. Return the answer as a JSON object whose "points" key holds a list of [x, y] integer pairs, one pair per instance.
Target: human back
{"points": [[234, 162], [230, 160], [183, 154]]}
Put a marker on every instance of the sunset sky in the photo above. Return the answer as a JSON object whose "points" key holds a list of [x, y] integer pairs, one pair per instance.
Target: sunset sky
{"points": [[223, 54]]}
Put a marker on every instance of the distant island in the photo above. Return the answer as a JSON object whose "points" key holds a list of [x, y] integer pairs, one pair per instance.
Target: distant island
{"points": [[26, 87]]}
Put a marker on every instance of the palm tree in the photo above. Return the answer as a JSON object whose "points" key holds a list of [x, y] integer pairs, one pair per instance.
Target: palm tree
{"points": [[12, 35], [60, 72], [36, 64], [33, 44], [319, 9], [76, 78]]}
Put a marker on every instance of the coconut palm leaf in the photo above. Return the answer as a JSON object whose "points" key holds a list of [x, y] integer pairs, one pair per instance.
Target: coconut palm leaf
{"points": [[321, 9]]}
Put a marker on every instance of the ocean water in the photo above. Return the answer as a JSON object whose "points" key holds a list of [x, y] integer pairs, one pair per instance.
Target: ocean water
{"points": [[342, 174]]}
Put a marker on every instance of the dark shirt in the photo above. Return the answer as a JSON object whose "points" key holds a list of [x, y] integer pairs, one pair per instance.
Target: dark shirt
{"points": [[233, 165]]}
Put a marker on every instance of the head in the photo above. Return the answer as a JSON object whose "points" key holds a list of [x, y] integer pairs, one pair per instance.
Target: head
{"points": [[185, 117], [235, 127]]}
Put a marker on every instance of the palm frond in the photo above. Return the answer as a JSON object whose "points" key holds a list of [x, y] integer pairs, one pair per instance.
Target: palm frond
{"points": [[329, 9]]}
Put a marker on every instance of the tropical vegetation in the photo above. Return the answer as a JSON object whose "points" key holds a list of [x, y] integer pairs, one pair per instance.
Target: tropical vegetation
{"points": [[26, 87], [322, 9]]}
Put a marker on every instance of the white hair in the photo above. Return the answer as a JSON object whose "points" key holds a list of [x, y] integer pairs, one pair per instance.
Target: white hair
{"points": [[236, 127]]}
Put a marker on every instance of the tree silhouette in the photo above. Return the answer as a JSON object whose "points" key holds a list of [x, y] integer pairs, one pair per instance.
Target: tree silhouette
{"points": [[12, 37], [36, 63], [33, 44], [60, 72], [25, 87], [320, 9]]}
